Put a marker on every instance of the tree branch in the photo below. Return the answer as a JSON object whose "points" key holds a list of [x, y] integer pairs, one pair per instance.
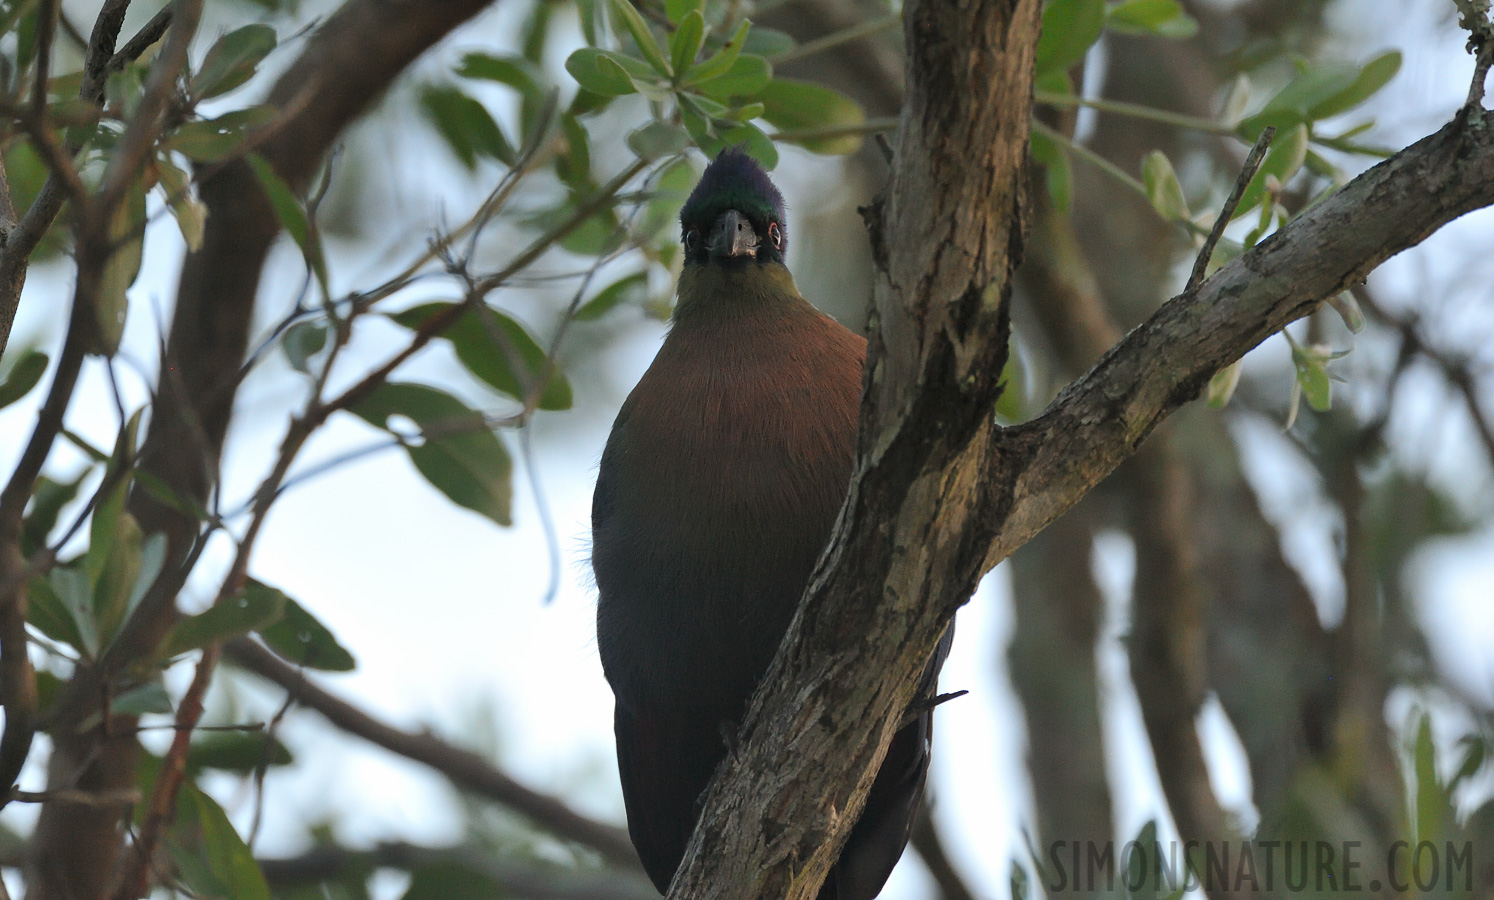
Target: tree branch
{"points": [[465, 769], [521, 879], [940, 493]]}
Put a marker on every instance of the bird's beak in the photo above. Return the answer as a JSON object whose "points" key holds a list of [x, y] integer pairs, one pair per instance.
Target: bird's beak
{"points": [[732, 236]]}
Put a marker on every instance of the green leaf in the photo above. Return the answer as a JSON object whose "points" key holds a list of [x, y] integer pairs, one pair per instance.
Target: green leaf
{"points": [[189, 212], [214, 140], [1162, 187], [511, 364], [799, 105], [573, 164], [228, 860], [127, 240], [1433, 805], [1057, 171], [457, 452], [1285, 157], [301, 342], [104, 525], [75, 595], [1295, 104], [517, 72], [633, 21], [47, 612], [748, 75], [450, 881], [232, 60], [47, 500], [119, 578], [1375, 75], [1236, 99], [757, 144], [1474, 755], [625, 290], [123, 89], [1011, 406], [236, 751], [251, 609], [22, 377], [150, 697], [1312, 376], [1019, 881], [768, 42], [597, 72], [514, 71], [671, 189], [722, 60], [1070, 28], [658, 139], [1055, 81], [466, 125], [1164, 18], [685, 43], [677, 10], [1222, 385], [292, 217], [299, 638], [1348, 309]]}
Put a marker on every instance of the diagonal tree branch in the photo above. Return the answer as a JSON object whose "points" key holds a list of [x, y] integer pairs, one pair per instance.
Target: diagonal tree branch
{"points": [[941, 494], [465, 769], [523, 879]]}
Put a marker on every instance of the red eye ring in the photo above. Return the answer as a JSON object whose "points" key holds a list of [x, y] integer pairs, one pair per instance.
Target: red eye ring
{"points": [[775, 234]]}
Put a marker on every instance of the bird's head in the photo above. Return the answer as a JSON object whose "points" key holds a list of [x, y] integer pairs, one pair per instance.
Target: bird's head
{"points": [[735, 214]]}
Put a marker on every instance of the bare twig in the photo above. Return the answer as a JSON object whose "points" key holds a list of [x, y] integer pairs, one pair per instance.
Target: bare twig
{"points": [[83, 798], [465, 769], [46, 30], [145, 125], [16, 675], [1247, 172], [522, 879], [839, 38], [930, 847], [173, 769], [1454, 369], [1474, 17], [141, 42]]}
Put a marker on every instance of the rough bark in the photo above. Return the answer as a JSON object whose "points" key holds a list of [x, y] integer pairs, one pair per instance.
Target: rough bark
{"points": [[946, 240], [941, 493]]}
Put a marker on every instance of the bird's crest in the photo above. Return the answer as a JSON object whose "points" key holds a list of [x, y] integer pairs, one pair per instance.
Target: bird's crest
{"points": [[734, 180]]}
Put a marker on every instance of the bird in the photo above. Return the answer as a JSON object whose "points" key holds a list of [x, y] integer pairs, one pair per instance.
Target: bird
{"points": [[717, 490]]}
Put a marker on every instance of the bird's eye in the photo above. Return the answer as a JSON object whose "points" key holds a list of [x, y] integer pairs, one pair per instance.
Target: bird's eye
{"points": [[775, 234], [692, 240]]}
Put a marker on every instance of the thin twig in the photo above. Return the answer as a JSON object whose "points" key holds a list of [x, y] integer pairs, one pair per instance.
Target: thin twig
{"points": [[123, 797], [1475, 18], [147, 35], [46, 30], [839, 38], [1134, 111], [870, 126], [1453, 369], [15, 665], [173, 770], [1109, 168], [263, 767], [1247, 172], [463, 768]]}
